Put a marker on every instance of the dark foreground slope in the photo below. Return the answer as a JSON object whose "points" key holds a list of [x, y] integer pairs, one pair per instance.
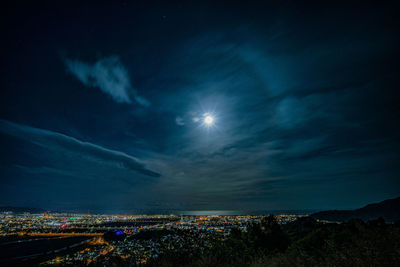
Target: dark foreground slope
{"points": [[305, 242], [389, 210], [302, 243]]}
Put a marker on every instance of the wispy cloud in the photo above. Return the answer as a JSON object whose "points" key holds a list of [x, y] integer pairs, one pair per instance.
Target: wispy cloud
{"points": [[109, 75], [179, 121], [54, 140]]}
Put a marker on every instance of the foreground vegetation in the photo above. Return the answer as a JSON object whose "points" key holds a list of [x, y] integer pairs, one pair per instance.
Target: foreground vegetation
{"points": [[304, 242]]}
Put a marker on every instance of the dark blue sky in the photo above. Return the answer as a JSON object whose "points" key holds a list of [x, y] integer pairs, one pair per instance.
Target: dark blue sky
{"points": [[102, 106]]}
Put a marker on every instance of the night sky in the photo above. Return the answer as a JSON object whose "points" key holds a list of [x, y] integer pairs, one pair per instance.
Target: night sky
{"points": [[103, 107]]}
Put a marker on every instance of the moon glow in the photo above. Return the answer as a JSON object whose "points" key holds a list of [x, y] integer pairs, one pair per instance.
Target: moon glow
{"points": [[208, 120]]}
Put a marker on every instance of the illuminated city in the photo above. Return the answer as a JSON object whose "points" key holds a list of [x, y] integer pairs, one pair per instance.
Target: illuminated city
{"points": [[99, 238]]}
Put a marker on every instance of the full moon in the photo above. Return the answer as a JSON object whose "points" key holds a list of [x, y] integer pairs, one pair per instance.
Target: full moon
{"points": [[208, 120]]}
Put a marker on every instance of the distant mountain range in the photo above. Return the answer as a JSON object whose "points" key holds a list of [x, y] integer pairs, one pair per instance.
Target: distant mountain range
{"points": [[21, 209], [387, 209]]}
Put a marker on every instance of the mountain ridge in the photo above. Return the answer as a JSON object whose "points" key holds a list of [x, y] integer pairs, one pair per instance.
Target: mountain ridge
{"points": [[388, 209]]}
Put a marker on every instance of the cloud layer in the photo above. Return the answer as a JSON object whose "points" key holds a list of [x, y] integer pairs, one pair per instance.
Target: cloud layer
{"points": [[109, 75], [305, 106], [58, 141]]}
